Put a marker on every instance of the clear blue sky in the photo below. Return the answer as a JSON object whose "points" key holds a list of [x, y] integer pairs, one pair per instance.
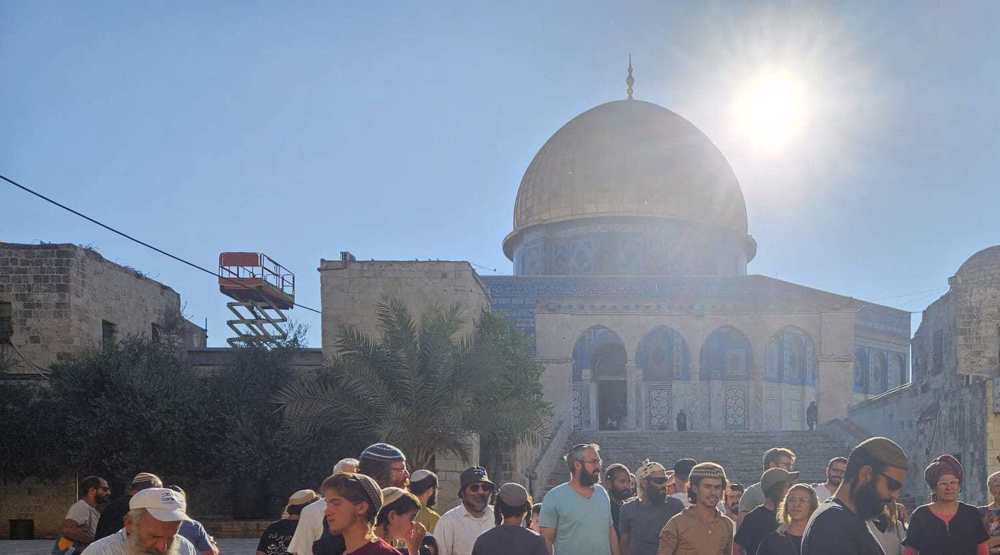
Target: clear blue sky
{"points": [[401, 130]]}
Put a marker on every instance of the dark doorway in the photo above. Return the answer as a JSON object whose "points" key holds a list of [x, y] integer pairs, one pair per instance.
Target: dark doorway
{"points": [[612, 407]]}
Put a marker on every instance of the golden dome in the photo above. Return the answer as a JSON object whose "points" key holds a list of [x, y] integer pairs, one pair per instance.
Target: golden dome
{"points": [[629, 158]]}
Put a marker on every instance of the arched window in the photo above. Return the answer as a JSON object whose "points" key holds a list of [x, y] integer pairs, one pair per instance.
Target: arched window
{"points": [[861, 370], [599, 350], [880, 372], [791, 357], [725, 354], [663, 355]]}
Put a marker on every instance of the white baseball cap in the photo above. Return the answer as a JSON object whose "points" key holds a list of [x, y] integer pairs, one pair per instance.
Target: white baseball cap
{"points": [[166, 505]]}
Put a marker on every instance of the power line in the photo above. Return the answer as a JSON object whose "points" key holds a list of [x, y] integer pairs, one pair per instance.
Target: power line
{"points": [[126, 235]]}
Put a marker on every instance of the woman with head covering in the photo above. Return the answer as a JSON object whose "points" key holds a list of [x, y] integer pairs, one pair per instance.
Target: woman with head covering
{"points": [[799, 504], [991, 513], [945, 526]]}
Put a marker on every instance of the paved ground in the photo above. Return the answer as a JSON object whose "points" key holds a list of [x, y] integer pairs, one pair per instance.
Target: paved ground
{"points": [[44, 547]]}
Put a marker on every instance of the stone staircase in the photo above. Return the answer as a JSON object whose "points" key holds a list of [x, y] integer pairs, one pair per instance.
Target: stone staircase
{"points": [[738, 452]]}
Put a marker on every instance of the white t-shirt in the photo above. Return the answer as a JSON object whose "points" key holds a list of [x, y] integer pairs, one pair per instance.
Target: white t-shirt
{"points": [[83, 514], [822, 492], [309, 529], [457, 530], [116, 544]]}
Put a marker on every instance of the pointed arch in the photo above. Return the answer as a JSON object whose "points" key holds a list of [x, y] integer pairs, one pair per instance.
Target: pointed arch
{"points": [[791, 357], [663, 355], [601, 351], [726, 354]]}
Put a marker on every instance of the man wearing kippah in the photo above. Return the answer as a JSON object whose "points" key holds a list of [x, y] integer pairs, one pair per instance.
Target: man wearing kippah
{"points": [[576, 515], [424, 484], [701, 529], [876, 471]]}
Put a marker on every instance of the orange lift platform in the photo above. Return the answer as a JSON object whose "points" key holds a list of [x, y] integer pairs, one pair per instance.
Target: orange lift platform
{"points": [[261, 290]]}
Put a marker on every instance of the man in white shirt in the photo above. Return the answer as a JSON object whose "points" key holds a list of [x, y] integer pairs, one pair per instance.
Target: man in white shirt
{"points": [[154, 517], [457, 529], [310, 526], [834, 476], [80, 524]]}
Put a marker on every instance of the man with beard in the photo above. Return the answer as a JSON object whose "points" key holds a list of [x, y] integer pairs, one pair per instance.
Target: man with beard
{"points": [[576, 515], [732, 500], [80, 524], [834, 475], [618, 482], [424, 484], [701, 529], [154, 517], [457, 529], [876, 470], [642, 518]]}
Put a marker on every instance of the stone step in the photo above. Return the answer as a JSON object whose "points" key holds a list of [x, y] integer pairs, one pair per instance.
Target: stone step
{"points": [[739, 453]]}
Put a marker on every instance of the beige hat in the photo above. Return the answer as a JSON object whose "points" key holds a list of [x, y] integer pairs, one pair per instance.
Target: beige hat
{"points": [[301, 497], [885, 451]]}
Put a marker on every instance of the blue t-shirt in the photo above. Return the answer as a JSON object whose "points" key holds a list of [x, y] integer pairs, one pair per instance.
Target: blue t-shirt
{"points": [[195, 533], [581, 524]]}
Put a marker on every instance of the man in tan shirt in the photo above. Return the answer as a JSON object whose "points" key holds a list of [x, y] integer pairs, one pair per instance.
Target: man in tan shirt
{"points": [[700, 529]]}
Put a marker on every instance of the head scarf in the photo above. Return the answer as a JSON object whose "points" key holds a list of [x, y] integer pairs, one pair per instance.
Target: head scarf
{"points": [[945, 464]]}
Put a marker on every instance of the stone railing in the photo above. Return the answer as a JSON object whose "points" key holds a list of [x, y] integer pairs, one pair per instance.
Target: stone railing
{"points": [[550, 454]]}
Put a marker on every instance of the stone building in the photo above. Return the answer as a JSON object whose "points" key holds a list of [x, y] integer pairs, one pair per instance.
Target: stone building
{"points": [[952, 404], [57, 300], [60, 299], [630, 246]]}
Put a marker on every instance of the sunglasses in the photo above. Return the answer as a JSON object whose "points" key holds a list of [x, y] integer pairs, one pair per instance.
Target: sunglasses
{"points": [[894, 484], [478, 488]]}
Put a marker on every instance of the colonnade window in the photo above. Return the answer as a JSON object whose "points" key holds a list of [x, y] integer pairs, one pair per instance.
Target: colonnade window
{"points": [[726, 354], [601, 351], [791, 357], [663, 355], [861, 368], [877, 370]]}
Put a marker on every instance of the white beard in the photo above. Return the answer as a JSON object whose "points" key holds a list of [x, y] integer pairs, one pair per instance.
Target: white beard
{"points": [[132, 546]]}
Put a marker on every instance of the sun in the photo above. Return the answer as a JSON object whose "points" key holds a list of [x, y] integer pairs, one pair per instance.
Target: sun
{"points": [[770, 110]]}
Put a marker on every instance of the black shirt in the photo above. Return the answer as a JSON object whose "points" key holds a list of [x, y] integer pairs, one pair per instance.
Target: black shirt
{"points": [[756, 526], [112, 517], [276, 537], [929, 534], [780, 543], [644, 521], [835, 530], [508, 539]]}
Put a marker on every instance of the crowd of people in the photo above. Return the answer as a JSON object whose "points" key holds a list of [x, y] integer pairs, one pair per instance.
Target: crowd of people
{"points": [[372, 505]]}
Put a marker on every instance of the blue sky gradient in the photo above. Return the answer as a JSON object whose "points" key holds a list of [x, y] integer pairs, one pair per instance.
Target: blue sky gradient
{"points": [[401, 130]]}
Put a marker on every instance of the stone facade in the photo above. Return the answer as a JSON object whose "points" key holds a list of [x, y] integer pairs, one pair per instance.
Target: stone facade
{"points": [[352, 289], [950, 406], [57, 300], [63, 299]]}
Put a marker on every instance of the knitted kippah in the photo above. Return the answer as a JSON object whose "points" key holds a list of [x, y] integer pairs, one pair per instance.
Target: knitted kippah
{"points": [[383, 452], [706, 470]]}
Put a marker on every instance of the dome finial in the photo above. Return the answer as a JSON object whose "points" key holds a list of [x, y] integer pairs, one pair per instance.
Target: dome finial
{"points": [[629, 80]]}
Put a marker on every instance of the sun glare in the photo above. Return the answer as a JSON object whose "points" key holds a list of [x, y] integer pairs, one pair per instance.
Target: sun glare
{"points": [[770, 111]]}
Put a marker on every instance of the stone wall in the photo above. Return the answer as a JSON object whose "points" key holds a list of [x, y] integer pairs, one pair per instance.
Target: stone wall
{"points": [[351, 291], [61, 294], [45, 503]]}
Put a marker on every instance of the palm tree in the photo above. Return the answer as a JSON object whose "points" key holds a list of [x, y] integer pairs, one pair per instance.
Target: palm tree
{"points": [[407, 388]]}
